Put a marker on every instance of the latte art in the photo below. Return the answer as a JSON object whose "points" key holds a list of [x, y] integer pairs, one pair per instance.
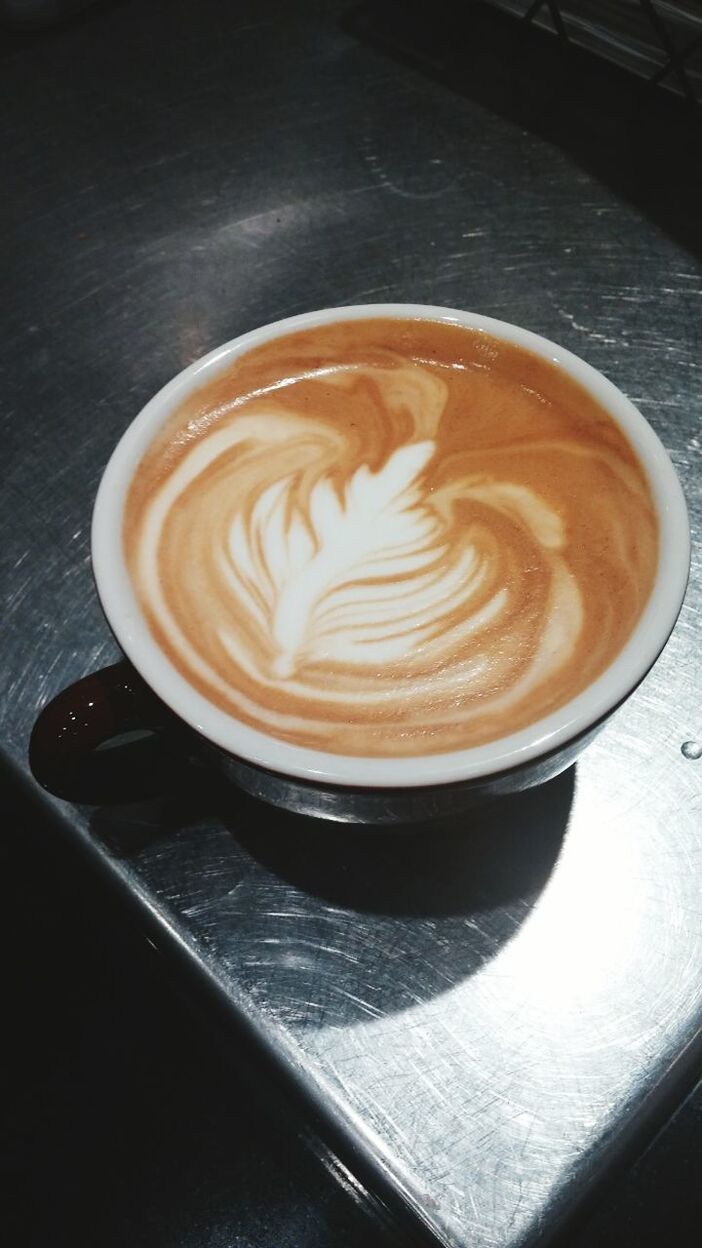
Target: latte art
{"points": [[379, 539]]}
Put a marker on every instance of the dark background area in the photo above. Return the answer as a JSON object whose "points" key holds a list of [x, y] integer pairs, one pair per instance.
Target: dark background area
{"points": [[125, 1119]]}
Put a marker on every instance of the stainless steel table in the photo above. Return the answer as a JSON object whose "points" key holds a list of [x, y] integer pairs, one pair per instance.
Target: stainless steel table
{"points": [[483, 1013]]}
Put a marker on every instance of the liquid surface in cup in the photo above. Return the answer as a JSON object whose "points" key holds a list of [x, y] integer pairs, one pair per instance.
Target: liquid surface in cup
{"points": [[390, 538]]}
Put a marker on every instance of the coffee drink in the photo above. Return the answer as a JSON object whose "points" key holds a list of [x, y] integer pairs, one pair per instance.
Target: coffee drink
{"points": [[390, 537]]}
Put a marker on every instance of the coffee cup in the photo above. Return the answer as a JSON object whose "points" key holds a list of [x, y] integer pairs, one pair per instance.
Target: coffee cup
{"points": [[378, 563]]}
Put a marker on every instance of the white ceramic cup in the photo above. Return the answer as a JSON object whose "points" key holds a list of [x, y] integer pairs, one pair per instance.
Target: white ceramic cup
{"points": [[517, 760]]}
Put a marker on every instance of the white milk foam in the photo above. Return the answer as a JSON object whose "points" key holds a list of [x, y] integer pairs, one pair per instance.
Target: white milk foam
{"points": [[343, 594]]}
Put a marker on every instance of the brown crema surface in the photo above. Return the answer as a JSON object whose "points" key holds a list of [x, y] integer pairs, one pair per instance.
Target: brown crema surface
{"points": [[390, 537]]}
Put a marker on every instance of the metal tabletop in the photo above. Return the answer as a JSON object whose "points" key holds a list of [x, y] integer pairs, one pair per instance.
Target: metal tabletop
{"points": [[484, 1010]]}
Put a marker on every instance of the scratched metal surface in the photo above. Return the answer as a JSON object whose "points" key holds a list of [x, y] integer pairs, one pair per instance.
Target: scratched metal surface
{"points": [[485, 1008]]}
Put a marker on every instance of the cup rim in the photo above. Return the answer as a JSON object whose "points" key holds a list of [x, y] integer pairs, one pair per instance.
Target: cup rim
{"points": [[542, 737]]}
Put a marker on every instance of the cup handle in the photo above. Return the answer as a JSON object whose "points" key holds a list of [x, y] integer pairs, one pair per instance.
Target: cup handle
{"points": [[64, 754]]}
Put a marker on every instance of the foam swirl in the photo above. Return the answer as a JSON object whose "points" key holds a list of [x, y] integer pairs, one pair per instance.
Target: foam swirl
{"points": [[378, 585]]}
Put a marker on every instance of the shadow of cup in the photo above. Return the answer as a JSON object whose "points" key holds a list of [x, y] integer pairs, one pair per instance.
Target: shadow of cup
{"points": [[479, 858], [339, 926]]}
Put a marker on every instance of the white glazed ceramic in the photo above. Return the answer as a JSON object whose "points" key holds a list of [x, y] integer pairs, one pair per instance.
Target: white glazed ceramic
{"points": [[521, 751]]}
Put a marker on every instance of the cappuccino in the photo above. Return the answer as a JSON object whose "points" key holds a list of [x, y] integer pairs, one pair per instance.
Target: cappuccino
{"points": [[390, 537]]}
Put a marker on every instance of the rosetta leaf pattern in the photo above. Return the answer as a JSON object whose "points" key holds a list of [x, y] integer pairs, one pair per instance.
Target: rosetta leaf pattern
{"points": [[301, 562]]}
